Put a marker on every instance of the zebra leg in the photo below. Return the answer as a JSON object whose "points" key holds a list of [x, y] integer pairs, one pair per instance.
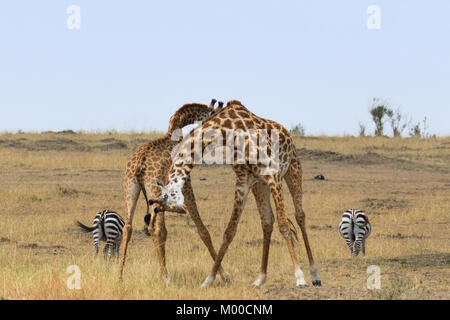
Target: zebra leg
{"points": [[357, 247], [117, 247], [109, 248], [350, 245], [98, 234], [95, 248], [364, 247]]}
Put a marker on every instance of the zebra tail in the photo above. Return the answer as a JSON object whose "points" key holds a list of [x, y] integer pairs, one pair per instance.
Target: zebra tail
{"points": [[85, 228]]}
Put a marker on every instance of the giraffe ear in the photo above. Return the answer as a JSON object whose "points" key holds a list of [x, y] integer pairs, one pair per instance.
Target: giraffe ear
{"points": [[159, 183]]}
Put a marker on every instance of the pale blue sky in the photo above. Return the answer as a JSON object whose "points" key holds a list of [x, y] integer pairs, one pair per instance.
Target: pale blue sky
{"points": [[133, 63]]}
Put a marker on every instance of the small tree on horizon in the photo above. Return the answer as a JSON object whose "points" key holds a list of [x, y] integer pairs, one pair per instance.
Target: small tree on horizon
{"points": [[379, 111], [398, 122]]}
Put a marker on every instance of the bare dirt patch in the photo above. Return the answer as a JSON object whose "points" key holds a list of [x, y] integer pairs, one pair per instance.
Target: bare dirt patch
{"points": [[369, 158], [112, 144]]}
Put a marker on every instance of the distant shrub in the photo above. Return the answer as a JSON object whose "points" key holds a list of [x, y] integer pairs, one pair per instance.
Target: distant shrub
{"points": [[398, 122], [362, 129], [420, 129], [380, 111], [298, 130]]}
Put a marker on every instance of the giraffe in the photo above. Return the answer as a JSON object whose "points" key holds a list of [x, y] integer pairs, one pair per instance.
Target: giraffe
{"points": [[249, 176], [151, 161]]}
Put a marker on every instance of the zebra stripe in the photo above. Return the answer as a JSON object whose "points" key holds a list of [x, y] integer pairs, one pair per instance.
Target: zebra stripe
{"points": [[107, 226], [355, 228]]}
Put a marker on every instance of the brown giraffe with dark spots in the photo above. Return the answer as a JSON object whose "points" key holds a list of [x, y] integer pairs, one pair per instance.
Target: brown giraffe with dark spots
{"points": [[151, 161], [251, 176]]}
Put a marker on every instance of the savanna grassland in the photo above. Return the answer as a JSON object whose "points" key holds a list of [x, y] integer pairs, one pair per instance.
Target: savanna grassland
{"points": [[49, 180]]}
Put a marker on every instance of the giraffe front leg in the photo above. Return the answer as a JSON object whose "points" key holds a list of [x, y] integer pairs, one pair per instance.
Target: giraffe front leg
{"points": [[262, 196], [189, 200], [158, 232], [240, 198]]}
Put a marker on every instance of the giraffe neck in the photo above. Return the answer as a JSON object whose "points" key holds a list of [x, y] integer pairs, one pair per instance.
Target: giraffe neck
{"points": [[187, 115]]}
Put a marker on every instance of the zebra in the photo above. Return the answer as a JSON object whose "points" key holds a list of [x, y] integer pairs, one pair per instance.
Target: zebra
{"points": [[108, 226], [355, 228]]}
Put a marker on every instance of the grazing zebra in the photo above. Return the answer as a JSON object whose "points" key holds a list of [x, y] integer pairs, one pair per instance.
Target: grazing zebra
{"points": [[355, 228], [107, 227]]}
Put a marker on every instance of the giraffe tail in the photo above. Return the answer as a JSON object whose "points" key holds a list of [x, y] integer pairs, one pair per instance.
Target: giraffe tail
{"points": [[147, 220]]}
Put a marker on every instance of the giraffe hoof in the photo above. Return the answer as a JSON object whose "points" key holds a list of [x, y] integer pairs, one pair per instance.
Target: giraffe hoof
{"points": [[317, 283], [259, 282], [301, 283], [227, 278], [208, 281]]}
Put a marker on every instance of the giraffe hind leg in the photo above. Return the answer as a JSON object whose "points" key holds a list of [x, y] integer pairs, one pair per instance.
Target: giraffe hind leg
{"points": [[132, 190], [293, 180], [283, 225]]}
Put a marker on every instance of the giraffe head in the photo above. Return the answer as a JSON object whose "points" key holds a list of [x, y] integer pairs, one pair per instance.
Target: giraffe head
{"points": [[190, 113], [172, 193]]}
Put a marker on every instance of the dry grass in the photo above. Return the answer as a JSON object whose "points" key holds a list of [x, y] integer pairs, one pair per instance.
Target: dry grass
{"points": [[49, 180]]}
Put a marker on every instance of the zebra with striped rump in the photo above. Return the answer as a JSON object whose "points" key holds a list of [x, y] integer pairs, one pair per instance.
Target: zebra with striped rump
{"points": [[355, 228], [107, 227]]}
